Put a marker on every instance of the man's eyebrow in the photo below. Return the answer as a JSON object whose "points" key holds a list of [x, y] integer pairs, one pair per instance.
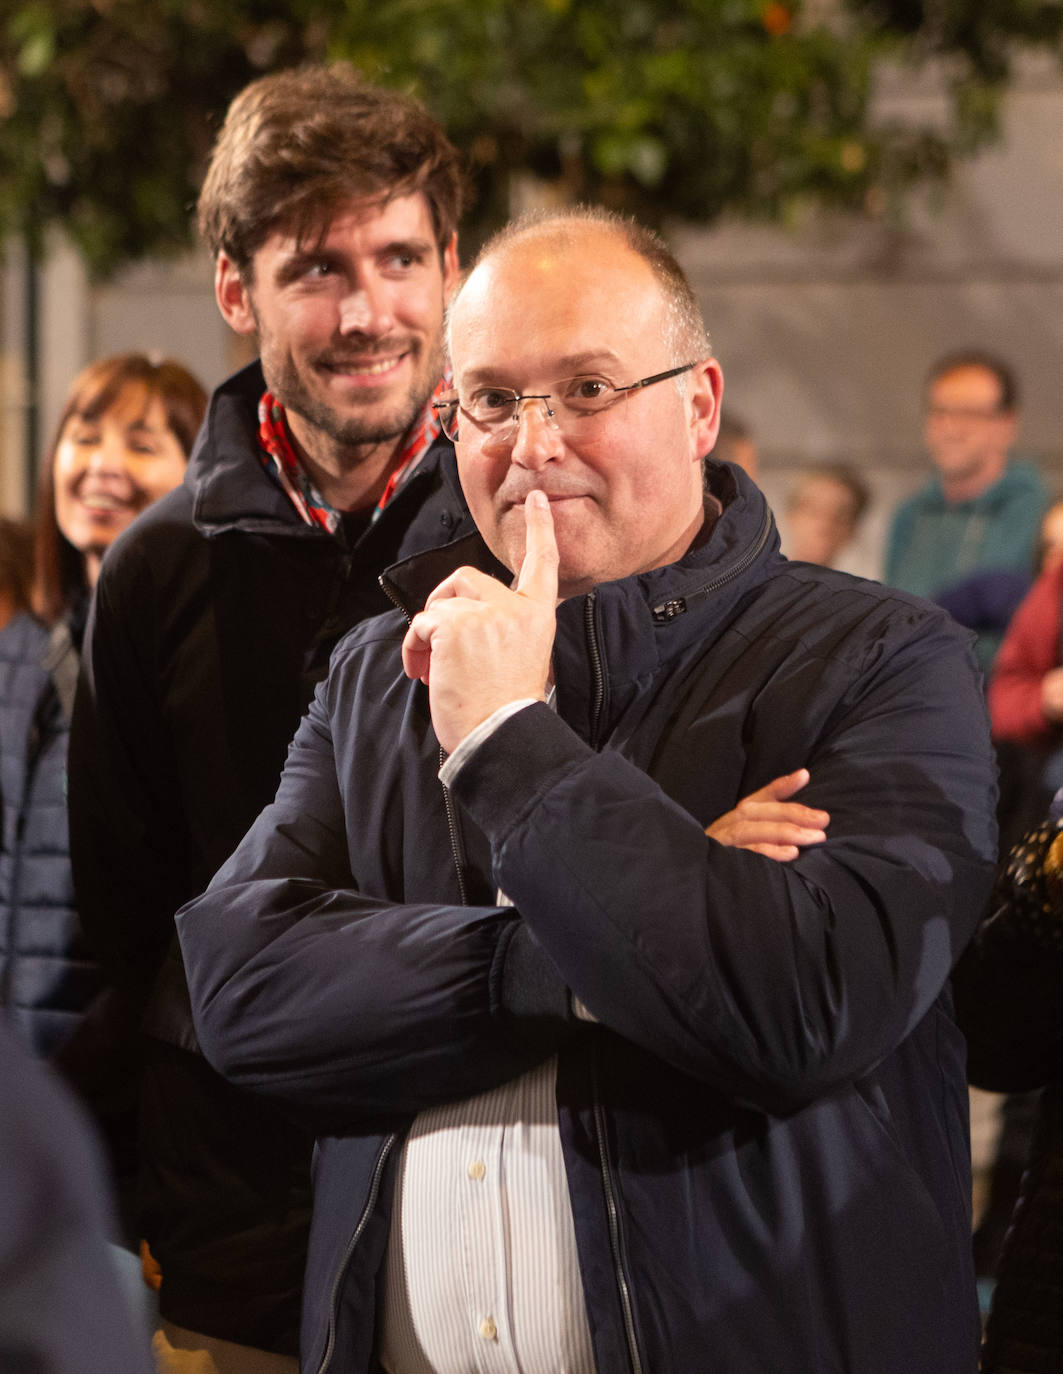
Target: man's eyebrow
{"points": [[314, 247], [582, 362], [416, 246], [570, 365], [295, 260], [305, 252]]}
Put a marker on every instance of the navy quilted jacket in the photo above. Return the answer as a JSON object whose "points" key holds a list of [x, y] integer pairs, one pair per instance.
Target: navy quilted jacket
{"points": [[46, 975]]}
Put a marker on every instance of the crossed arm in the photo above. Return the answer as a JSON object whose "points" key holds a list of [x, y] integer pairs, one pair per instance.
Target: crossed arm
{"points": [[478, 646], [771, 981]]}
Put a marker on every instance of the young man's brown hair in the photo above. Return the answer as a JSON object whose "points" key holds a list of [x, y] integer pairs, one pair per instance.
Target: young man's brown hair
{"points": [[297, 144]]}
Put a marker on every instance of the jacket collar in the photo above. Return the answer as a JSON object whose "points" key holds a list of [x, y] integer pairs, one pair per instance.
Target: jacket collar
{"points": [[230, 487], [637, 624]]}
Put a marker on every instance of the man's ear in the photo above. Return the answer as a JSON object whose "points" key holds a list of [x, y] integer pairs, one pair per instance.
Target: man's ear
{"points": [[233, 297], [451, 267], [705, 392]]}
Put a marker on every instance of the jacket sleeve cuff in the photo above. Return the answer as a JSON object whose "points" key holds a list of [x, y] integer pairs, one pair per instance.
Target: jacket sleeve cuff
{"points": [[521, 760], [452, 766], [530, 995]]}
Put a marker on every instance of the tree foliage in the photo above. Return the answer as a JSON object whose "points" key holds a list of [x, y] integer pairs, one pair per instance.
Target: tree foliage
{"points": [[668, 108]]}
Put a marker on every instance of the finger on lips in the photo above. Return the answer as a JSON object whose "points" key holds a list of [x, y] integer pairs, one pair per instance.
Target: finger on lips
{"points": [[538, 572]]}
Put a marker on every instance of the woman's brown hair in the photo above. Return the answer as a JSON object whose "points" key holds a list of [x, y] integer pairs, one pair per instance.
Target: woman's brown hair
{"points": [[16, 562], [59, 569]]}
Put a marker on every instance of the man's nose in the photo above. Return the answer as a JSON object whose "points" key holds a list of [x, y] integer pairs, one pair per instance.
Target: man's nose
{"points": [[536, 437], [366, 308]]}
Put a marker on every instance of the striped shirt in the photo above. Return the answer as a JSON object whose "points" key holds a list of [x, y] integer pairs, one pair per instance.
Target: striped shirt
{"points": [[482, 1275]]}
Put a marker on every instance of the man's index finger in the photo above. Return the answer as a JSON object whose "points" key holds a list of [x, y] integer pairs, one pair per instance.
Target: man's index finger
{"points": [[538, 572]]}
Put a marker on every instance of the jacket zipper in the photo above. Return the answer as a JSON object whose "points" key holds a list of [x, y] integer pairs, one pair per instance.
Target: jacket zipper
{"points": [[605, 1164], [389, 1144], [370, 1203], [668, 610], [613, 1215], [608, 1185], [597, 665], [457, 845]]}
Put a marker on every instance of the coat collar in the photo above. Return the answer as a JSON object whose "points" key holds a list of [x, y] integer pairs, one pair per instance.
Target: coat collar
{"points": [[625, 631], [231, 488]]}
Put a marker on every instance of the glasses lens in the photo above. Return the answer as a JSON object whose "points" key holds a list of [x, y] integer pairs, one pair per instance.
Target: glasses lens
{"points": [[582, 396], [493, 408], [447, 410]]}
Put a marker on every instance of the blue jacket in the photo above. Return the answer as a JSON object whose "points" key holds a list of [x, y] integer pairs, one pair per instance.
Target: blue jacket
{"points": [[765, 1138], [47, 977]]}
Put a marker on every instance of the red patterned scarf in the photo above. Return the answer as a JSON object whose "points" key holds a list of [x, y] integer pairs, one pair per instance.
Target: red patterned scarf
{"points": [[279, 457]]}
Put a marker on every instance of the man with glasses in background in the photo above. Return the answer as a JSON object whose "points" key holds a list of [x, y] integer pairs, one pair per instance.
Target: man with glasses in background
{"points": [[968, 538], [597, 1085]]}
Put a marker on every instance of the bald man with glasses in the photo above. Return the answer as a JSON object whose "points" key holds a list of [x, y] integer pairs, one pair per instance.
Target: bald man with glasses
{"points": [[600, 1083]]}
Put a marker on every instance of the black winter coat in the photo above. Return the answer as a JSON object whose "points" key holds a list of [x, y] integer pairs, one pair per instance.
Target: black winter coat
{"points": [[47, 975], [213, 620], [766, 1137]]}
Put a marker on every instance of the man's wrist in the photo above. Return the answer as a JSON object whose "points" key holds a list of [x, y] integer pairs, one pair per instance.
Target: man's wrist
{"points": [[453, 764]]}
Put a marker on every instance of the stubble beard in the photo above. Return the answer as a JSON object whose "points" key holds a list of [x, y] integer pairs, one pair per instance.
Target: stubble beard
{"points": [[355, 433]]}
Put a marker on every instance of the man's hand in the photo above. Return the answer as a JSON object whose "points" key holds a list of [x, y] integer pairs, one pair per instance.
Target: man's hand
{"points": [[768, 823], [479, 645]]}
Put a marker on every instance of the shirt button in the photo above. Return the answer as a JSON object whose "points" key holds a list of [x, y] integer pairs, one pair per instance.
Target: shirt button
{"points": [[488, 1329], [477, 1170]]}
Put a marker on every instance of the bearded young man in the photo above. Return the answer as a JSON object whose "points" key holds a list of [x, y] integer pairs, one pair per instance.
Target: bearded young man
{"points": [[331, 208], [597, 1088]]}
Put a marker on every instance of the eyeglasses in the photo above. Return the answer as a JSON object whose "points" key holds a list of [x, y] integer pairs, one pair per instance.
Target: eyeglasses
{"points": [[577, 401]]}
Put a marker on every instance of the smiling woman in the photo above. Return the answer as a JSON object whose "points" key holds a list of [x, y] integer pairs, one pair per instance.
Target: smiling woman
{"points": [[122, 442]]}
